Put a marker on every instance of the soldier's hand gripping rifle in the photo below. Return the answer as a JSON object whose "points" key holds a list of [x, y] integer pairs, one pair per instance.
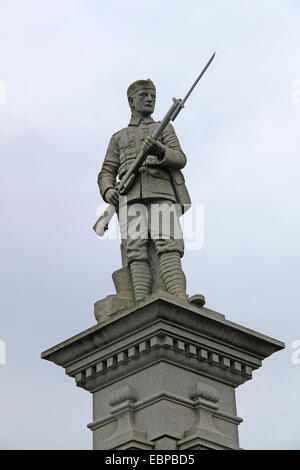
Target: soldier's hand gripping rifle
{"points": [[128, 179]]}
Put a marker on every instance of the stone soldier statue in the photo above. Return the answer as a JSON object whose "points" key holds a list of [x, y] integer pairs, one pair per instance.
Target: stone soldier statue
{"points": [[159, 182]]}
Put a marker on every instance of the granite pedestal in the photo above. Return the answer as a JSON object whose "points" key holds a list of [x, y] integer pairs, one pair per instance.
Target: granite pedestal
{"points": [[163, 375]]}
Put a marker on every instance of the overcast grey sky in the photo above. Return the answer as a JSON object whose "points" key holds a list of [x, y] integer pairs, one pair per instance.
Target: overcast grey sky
{"points": [[66, 66]]}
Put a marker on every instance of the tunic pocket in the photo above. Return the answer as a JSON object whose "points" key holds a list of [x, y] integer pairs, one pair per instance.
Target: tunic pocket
{"points": [[127, 151], [158, 173]]}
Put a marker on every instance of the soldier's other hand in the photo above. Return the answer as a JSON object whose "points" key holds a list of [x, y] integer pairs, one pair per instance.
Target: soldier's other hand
{"points": [[153, 147], [112, 196]]}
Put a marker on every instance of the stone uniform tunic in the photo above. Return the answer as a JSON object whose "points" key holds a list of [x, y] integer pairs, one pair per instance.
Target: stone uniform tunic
{"points": [[154, 179], [154, 184]]}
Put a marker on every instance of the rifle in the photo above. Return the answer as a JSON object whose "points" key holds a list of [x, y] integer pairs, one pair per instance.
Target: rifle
{"points": [[127, 181]]}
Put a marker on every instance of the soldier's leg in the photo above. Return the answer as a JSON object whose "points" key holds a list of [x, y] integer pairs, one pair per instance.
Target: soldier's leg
{"points": [[172, 274], [167, 236], [136, 245]]}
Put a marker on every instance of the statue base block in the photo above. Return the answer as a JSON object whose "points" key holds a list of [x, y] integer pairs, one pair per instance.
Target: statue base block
{"points": [[163, 375]]}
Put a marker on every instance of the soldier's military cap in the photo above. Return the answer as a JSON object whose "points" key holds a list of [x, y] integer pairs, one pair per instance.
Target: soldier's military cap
{"points": [[139, 85]]}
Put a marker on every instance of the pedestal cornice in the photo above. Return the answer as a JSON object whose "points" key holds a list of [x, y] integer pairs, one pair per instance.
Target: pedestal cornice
{"points": [[162, 328], [163, 375]]}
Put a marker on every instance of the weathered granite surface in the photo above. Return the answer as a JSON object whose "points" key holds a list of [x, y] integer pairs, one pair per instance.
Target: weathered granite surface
{"points": [[163, 375]]}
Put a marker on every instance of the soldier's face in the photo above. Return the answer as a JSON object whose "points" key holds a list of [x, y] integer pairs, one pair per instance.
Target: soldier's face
{"points": [[144, 101]]}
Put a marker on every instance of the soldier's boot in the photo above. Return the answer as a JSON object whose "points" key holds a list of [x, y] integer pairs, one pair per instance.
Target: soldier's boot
{"points": [[172, 274], [141, 279]]}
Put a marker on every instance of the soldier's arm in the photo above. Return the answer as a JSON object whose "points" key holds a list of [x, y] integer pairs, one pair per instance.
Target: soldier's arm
{"points": [[173, 156], [109, 171]]}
